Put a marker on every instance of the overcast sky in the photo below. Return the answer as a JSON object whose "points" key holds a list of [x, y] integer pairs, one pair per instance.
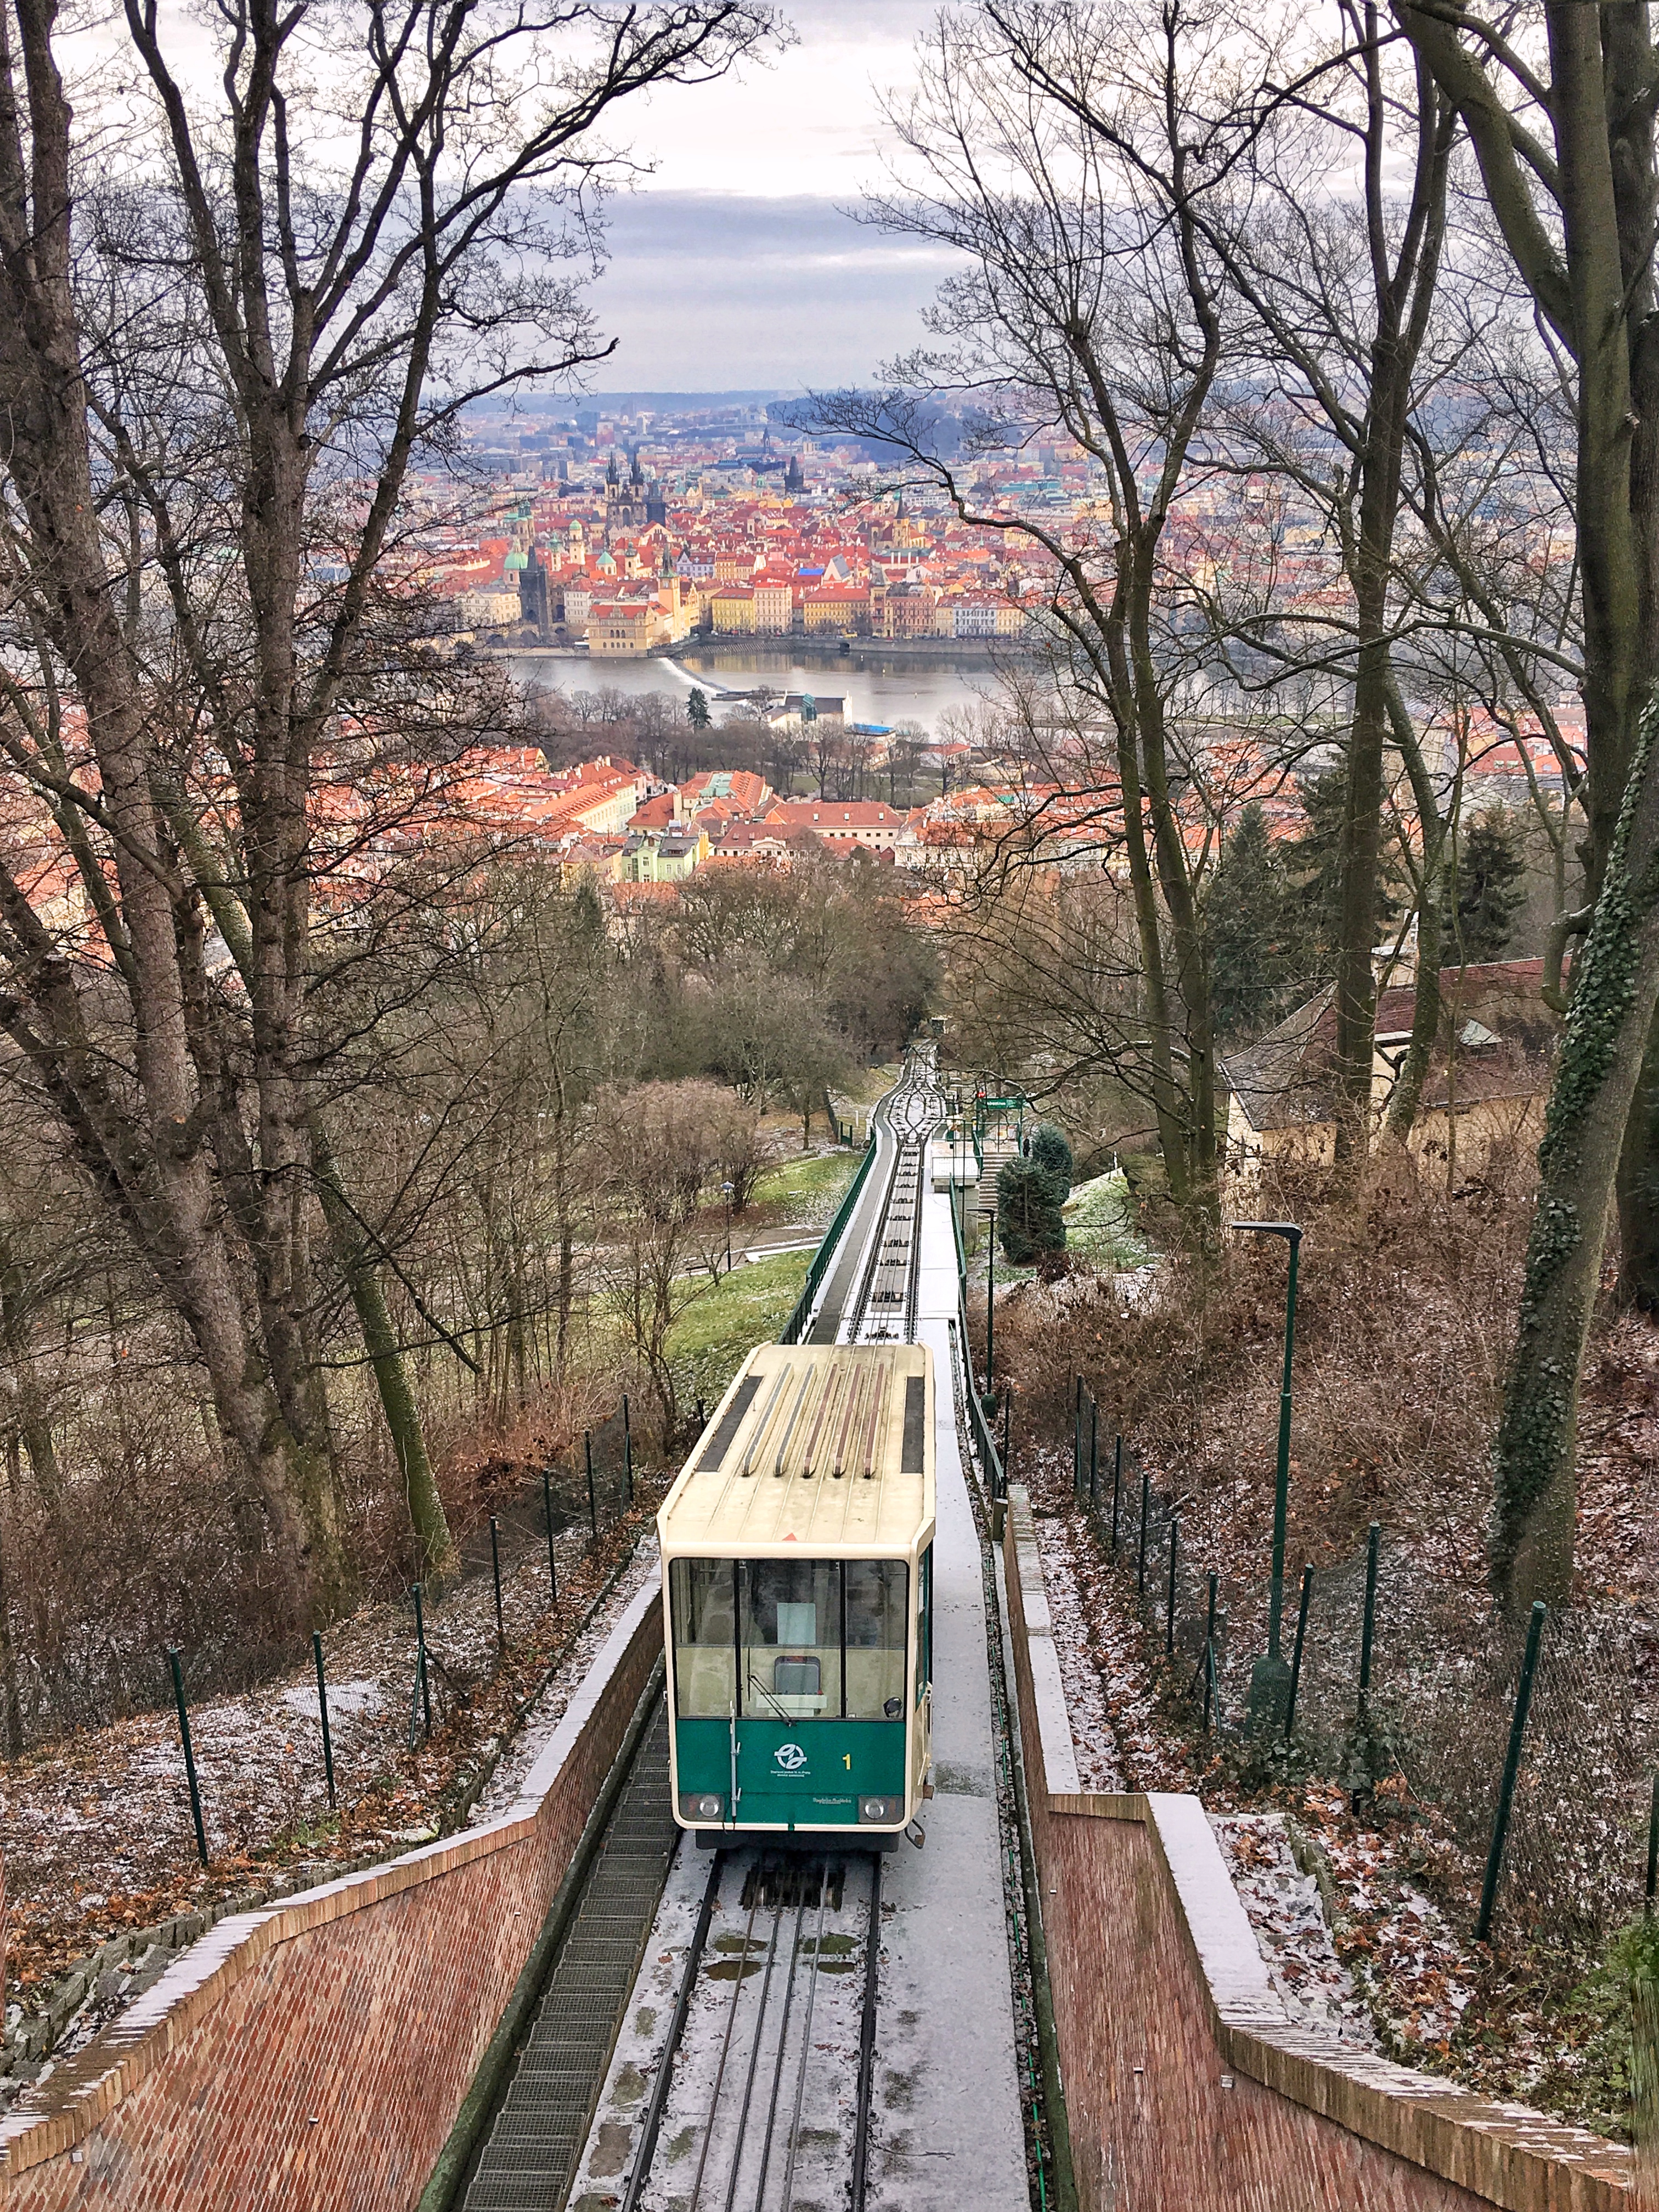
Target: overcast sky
{"points": [[732, 267]]}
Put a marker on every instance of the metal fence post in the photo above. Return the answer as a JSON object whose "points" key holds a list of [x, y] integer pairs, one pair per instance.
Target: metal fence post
{"points": [[322, 1708], [592, 1499], [991, 1306], [1500, 1827], [1373, 1539], [1140, 1563], [1169, 1613], [1209, 1648], [1653, 1848], [552, 1562], [495, 1570], [190, 1756], [1296, 1651], [1077, 1437], [628, 1445], [420, 1658], [702, 1418], [1094, 1450], [1117, 1488], [1007, 1411]]}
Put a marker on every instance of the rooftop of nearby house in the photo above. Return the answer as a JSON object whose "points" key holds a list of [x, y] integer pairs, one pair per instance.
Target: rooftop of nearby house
{"points": [[1496, 1040]]}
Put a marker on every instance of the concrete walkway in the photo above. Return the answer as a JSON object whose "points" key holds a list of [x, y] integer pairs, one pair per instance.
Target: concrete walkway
{"points": [[947, 2131]]}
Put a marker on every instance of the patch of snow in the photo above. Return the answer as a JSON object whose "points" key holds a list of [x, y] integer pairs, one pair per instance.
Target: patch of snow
{"points": [[1287, 1917]]}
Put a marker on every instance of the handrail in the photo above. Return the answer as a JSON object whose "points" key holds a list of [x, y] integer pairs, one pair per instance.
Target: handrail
{"points": [[790, 1332]]}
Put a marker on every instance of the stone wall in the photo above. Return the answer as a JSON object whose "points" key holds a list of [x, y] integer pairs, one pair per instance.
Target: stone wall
{"points": [[1187, 2089], [312, 2056]]}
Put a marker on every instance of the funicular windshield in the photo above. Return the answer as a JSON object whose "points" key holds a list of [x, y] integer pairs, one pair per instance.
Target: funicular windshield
{"points": [[799, 1639]]}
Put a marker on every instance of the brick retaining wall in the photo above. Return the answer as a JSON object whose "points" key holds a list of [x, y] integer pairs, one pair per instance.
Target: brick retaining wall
{"points": [[312, 2056], [1187, 2088]]}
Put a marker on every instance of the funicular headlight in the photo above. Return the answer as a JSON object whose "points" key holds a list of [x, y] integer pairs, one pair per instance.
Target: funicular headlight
{"points": [[879, 1809], [700, 1805]]}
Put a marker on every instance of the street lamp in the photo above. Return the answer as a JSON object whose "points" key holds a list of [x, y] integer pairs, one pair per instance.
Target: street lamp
{"points": [[1270, 1684], [725, 1193]]}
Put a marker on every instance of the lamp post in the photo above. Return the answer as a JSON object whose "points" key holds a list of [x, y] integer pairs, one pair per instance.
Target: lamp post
{"points": [[725, 1193], [1270, 1682]]}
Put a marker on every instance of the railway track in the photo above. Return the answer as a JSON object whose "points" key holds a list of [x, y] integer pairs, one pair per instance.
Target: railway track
{"points": [[884, 1309], [757, 2098], [748, 2110]]}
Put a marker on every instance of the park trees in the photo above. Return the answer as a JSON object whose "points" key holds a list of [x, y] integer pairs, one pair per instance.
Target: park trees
{"points": [[1069, 155], [224, 337], [660, 1150]]}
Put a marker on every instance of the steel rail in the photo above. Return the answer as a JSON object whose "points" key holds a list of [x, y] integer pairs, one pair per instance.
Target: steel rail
{"points": [[779, 1910], [807, 2037], [783, 2045], [654, 2112], [726, 2050], [855, 1319]]}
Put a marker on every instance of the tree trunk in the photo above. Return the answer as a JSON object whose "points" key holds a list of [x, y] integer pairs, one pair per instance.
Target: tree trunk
{"points": [[1602, 1056], [402, 1417], [11, 1704], [1430, 921], [33, 1425], [1358, 855], [1425, 1003], [1171, 1137], [1639, 1190]]}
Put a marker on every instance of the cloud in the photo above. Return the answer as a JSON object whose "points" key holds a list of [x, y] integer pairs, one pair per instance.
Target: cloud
{"points": [[715, 291]]}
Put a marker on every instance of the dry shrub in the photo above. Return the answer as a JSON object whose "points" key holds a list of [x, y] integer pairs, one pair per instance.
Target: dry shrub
{"points": [[144, 1548], [147, 1544], [1404, 1316], [1405, 1320]]}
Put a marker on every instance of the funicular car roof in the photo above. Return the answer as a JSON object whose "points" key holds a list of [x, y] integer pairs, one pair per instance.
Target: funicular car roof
{"points": [[812, 1407]]}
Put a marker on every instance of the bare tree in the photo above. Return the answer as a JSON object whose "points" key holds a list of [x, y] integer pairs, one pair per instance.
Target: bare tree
{"points": [[1341, 291], [660, 1148], [1068, 154], [218, 368], [1564, 141]]}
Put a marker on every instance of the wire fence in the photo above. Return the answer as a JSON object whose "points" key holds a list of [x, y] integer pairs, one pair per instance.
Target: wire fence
{"points": [[507, 1575], [1400, 1677]]}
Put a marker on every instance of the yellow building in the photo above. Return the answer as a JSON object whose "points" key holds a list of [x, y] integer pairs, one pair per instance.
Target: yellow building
{"points": [[732, 607], [1488, 1074], [621, 628]]}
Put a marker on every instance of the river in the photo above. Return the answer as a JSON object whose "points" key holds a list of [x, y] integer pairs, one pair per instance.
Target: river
{"points": [[878, 687]]}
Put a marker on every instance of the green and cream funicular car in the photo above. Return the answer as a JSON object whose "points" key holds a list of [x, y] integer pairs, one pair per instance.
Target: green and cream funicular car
{"points": [[797, 1547]]}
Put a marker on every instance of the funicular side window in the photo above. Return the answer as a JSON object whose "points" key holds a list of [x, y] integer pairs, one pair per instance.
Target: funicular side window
{"points": [[790, 1636], [702, 1601], [925, 1623], [878, 1624]]}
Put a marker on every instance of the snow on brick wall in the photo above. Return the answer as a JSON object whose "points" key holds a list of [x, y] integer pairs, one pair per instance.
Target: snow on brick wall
{"points": [[1187, 2088], [312, 2056]]}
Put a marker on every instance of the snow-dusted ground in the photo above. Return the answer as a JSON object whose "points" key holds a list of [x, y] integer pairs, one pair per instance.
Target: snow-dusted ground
{"points": [[98, 1835], [1110, 1699], [1284, 1909], [540, 1722]]}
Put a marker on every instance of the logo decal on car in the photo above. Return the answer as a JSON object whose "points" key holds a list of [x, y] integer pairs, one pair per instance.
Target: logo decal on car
{"points": [[789, 1758]]}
